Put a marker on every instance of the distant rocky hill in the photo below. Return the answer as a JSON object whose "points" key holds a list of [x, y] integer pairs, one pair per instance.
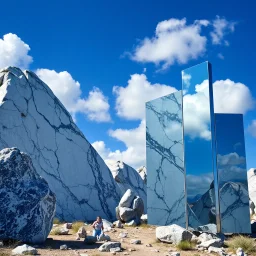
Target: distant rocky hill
{"points": [[128, 178], [34, 120]]}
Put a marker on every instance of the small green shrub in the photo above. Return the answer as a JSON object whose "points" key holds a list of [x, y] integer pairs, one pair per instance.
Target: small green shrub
{"points": [[56, 221], [185, 245], [246, 243], [56, 232], [76, 225]]}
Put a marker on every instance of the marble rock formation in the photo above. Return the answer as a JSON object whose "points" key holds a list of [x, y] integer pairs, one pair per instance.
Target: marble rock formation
{"points": [[130, 208], [143, 173], [27, 204], [173, 234], [34, 120], [128, 178], [251, 175]]}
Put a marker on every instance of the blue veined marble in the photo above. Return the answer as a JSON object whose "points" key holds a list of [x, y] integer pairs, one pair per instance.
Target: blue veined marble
{"points": [[232, 174], [165, 166]]}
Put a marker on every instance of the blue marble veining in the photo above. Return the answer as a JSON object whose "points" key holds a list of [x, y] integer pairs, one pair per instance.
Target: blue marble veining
{"points": [[35, 121], [232, 174], [165, 166]]}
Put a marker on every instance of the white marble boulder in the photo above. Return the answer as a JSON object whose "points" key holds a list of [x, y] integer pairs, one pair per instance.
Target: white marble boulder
{"points": [[34, 120], [128, 178], [251, 175], [173, 234], [143, 173], [130, 208], [27, 204]]}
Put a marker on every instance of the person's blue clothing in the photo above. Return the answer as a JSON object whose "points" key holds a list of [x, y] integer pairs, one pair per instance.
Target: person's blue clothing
{"points": [[96, 232]]}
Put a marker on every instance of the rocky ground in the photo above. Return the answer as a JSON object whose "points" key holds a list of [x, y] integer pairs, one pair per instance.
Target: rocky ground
{"points": [[149, 245]]}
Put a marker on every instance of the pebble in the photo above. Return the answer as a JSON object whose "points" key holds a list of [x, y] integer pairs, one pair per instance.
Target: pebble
{"points": [[135, 241], [63, 247]]}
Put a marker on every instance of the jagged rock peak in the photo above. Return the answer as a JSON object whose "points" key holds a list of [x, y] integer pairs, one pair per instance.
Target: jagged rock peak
{"points": [[34, 120], [128, 178]]}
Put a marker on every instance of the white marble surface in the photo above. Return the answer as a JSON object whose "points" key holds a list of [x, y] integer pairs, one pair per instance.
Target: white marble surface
{"points": [[34, 120], [128, 178], [251, 175], [165, 167]]}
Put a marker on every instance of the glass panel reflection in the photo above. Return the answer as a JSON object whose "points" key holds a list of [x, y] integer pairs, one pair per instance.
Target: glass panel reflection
{"points": [[232, 174], [199, 151], [165, 167]]}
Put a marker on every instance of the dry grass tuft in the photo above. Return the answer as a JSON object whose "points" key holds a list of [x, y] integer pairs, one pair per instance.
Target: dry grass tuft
{"points": [[56, 232], [185, 245], [76, 225], [246, 243], [56, 221]]}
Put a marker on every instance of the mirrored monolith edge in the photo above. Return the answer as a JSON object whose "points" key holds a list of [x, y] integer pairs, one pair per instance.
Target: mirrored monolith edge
{"points": [[199, 148], [232, 174]]}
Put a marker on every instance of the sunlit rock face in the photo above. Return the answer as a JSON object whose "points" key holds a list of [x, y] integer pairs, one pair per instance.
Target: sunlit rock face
{"points": [[143, 173], [34, 120], [251, 175], [27, 204], [128, 178]]}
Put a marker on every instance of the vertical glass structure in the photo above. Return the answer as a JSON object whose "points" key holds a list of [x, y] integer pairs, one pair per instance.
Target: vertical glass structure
{"points": [[199, 147], [165, 166], [232, 174]]}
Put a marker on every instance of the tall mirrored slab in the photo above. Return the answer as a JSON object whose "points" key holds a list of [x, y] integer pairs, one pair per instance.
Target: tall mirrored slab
{"points": [[165, 166], [199, 146], [232, 174]]}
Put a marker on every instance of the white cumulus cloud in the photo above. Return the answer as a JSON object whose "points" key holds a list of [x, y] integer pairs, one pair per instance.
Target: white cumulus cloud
{"points": [[134, 140], [221, 27], [95, 106], [130, 100], [14, 52], [174, 41]]}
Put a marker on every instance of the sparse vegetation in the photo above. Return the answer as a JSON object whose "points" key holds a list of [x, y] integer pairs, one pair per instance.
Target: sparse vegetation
{"points": [[246, 243], [56, 221], [185, 245], [4, 254], [76, 225], [56, 231]]}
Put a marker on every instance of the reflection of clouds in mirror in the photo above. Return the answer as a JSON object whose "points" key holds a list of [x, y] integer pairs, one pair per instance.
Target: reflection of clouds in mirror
{"points": [[231, 167], [185, 80], [230, 159], [229, 97], [197, 112]]}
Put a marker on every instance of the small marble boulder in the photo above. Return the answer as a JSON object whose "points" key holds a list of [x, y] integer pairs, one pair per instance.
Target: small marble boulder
{"points": [[108, 245], [130, 208], [173, 234], [27, 203], [90, 240], [24, 249], [81, 233]]}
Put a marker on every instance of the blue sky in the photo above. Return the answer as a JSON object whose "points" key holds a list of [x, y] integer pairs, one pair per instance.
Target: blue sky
{"points": [[101, 44]]}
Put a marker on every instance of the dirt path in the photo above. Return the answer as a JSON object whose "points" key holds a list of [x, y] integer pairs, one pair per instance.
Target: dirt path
{"points": [[146, 234]]}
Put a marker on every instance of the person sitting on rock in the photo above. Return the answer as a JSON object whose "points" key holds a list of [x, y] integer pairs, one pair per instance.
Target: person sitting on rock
{"points": [[98, 227]]}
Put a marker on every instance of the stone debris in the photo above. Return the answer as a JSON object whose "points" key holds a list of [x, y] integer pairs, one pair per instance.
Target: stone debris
{"points": [[173, 234], [63, 247], [108, 245], [90, 240], [135, 241], [24, 249], [68, 225]]}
